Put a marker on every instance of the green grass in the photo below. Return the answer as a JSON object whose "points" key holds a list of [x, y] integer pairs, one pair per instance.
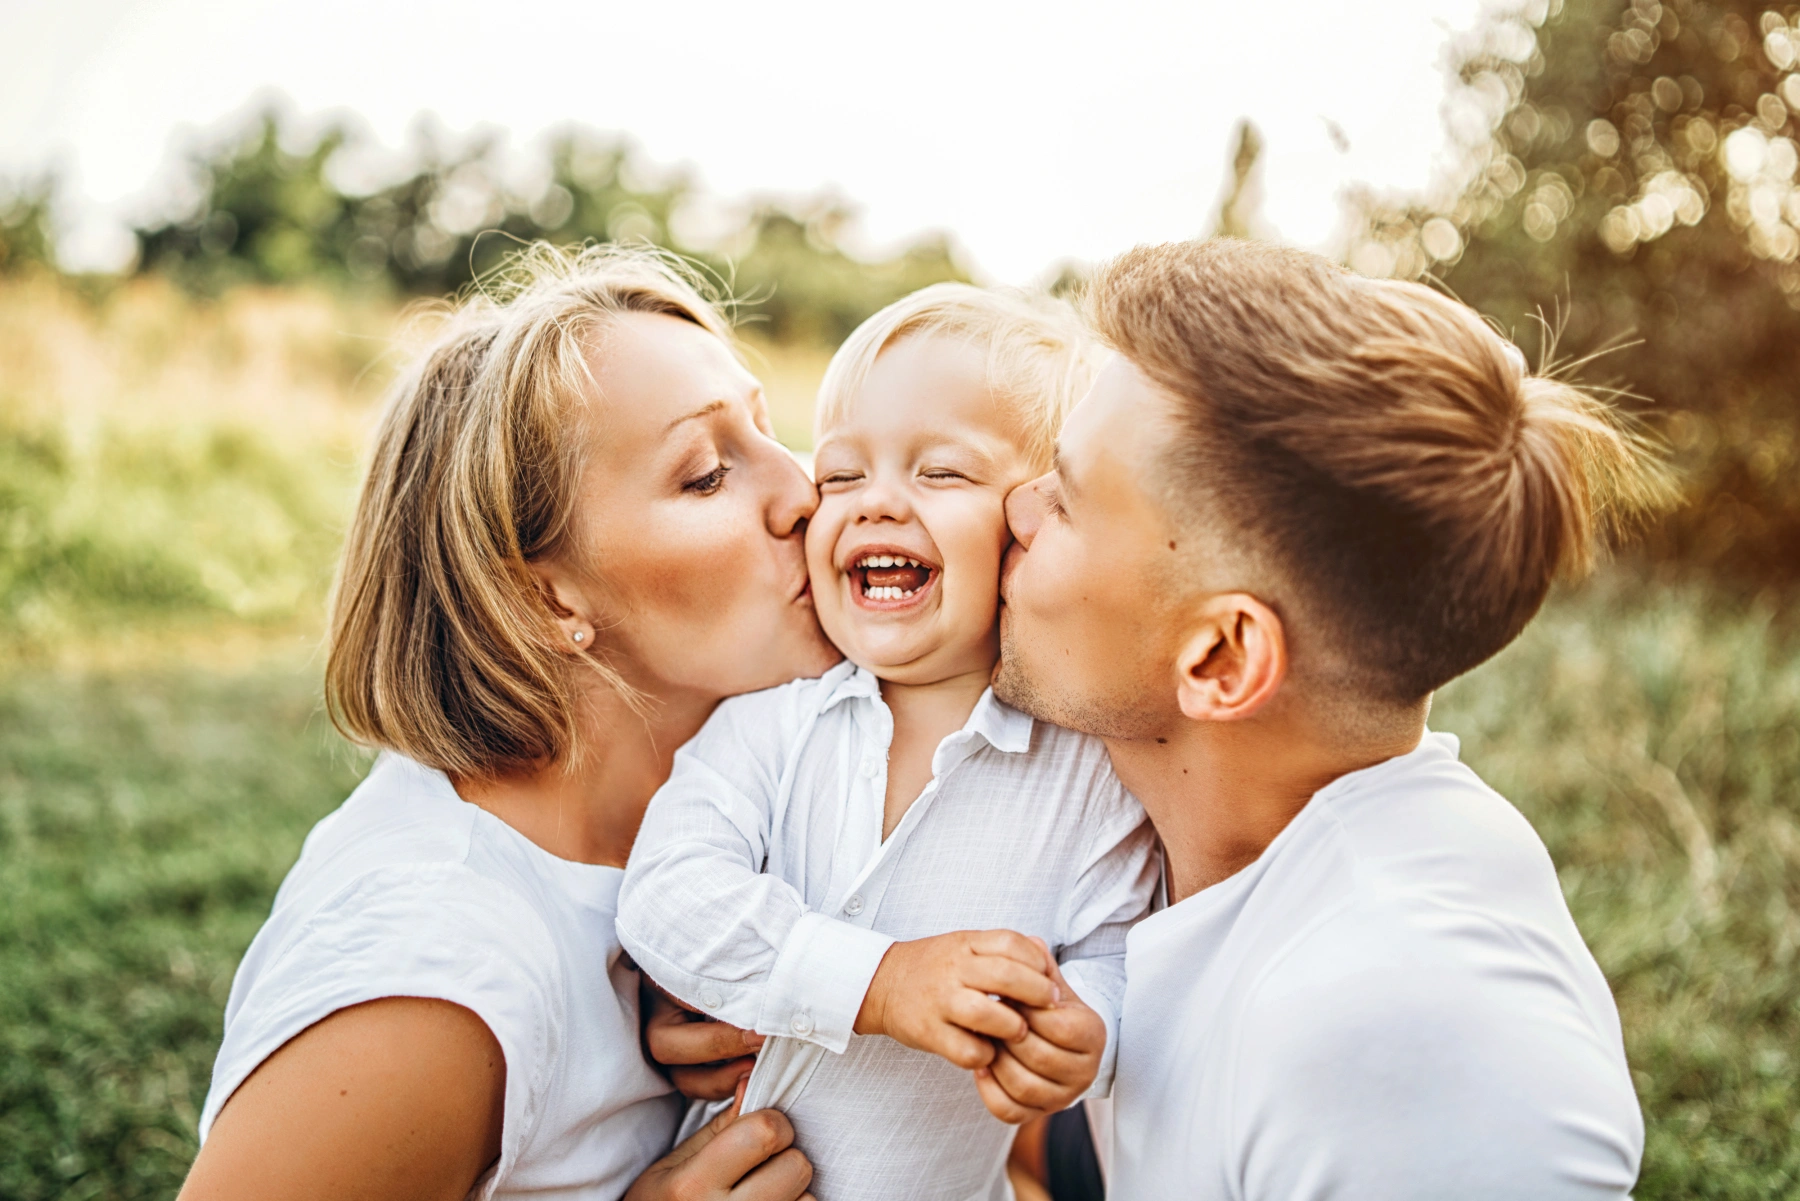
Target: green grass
{"points": [[1651, 735], [146, 818]]}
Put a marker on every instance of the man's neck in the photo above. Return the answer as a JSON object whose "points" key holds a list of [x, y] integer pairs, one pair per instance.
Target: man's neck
{"points": [[590, 811], [1220, 793]]}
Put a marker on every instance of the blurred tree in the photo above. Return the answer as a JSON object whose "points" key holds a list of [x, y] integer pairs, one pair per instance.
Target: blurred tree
{"points": [[1629, 169], [800, 283], [270, 214], [26, 235], [1240, 210]]}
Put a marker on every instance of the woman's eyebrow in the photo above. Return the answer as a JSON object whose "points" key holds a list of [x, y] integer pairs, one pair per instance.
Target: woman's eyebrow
{"points": [[703, 411]]}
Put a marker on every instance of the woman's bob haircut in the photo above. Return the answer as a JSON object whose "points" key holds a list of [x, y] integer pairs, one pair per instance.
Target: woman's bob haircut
{"points": [[442, 645]]}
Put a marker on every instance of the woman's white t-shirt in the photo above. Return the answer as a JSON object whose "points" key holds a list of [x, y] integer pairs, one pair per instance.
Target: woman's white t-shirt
{"points": [[409, 891]]}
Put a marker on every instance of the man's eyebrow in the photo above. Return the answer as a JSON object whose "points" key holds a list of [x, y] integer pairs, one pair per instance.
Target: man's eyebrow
{"points": [[1060, 465], [703, 411]]}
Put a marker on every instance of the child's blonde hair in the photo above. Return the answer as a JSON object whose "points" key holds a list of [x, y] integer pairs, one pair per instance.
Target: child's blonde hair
{"points": [[1040, 357]]}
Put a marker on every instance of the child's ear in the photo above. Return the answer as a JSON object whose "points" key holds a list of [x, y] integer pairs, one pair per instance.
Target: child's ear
{"points": [[1233, 661]]}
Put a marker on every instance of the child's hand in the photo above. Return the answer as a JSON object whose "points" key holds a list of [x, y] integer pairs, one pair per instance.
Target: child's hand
{"points": [[937, 994], [1051, 1066]]}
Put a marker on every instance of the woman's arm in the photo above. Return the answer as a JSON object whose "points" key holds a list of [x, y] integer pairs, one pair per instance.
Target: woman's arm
{"points": [[399, 1099], [402, 1099]]}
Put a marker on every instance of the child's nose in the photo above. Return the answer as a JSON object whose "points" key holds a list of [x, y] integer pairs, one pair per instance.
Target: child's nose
{"points": [[880, 500]]}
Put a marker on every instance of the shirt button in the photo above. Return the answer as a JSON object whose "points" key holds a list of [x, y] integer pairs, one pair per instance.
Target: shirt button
{"points": [[854, 905], [711, 999], [869, 768], [802, 1024]]}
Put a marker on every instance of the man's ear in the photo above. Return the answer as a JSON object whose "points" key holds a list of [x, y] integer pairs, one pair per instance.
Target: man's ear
{"points": [[1233, 662], [563, 592]]}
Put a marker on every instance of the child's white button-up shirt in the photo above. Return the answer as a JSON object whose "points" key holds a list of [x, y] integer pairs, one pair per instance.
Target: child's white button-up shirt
{"points": [[761, 891]]}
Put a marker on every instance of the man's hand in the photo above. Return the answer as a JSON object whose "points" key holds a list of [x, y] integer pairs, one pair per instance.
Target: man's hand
{"points": [[1051, 1066], [731, 1159], [703, 1058], [937, 994]]}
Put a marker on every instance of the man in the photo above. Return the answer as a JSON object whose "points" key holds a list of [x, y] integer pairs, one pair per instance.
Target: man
{"points": [[1295, 504]]}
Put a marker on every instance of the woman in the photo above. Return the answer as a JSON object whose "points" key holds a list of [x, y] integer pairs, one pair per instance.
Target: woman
{"points": [[577, 536]]}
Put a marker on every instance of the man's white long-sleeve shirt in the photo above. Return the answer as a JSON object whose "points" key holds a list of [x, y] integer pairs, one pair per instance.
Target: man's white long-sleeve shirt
{"points": [[761, 891]]}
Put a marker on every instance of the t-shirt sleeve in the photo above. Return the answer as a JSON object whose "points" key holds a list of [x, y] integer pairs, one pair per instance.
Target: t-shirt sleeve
{"points": [[438, 931], [1367, 1067]]}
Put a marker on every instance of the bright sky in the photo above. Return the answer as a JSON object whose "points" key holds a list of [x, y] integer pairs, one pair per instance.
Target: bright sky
{"points": [[1032, 131]]}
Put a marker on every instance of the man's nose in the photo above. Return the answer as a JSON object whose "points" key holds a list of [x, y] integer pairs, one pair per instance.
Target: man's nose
{"points": [[1025, 510]]}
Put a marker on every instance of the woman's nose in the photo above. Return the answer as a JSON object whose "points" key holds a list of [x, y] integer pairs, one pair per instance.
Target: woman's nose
{"points": [[1025, 509], [794, 497]]}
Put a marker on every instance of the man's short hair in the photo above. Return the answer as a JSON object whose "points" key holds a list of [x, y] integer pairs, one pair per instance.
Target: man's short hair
{"points": [[1381, 452]]}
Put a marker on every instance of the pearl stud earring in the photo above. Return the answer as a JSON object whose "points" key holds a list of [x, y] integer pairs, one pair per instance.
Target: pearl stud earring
{"points": [[579, 635]]}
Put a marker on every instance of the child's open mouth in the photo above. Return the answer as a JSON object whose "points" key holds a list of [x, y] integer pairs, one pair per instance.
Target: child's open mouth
{"points": [[884, 579]]}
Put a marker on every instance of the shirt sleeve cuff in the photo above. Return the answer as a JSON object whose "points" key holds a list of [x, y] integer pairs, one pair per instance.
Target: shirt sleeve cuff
{"points": [[1097, 999], [819, 980]]}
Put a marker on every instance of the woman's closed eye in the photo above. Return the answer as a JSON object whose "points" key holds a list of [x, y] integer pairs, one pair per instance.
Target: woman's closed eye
{"points": [[709, 483]]}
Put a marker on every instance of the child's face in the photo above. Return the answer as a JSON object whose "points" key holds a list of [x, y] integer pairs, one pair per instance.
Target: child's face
{"points": [[905, 548]]}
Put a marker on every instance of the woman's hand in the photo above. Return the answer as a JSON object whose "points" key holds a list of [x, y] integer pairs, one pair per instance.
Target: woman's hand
{"points": [[737, 1158], [703, 1058]]}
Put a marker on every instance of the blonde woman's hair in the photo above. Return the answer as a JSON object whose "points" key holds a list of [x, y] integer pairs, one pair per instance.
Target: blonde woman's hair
{"points": [[1378, 446], [442, 645], [1040, 358]]}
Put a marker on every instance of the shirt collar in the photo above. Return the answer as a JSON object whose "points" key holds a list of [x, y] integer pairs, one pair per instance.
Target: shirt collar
{"points": [[1002, 726]]}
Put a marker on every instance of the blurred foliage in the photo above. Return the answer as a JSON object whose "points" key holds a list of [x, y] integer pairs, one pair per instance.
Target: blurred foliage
{"points": [[26, 235], [1629, 170], [269, 208], [1240, 209]]}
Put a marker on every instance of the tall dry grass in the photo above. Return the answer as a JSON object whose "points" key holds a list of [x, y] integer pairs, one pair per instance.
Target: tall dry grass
{"points": [[175, 473]]}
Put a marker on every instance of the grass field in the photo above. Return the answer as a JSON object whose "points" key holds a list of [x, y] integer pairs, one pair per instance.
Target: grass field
{"points": [[172, 480]]}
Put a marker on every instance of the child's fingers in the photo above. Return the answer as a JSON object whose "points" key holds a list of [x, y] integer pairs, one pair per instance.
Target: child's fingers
{"points": [[1053, 1063], [999, 1102], [1010, 944], [1010, 978], [1072, 1026], [960, 1047], [975, 1011]]}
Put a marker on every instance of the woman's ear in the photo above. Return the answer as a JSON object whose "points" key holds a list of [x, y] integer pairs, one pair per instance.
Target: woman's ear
{"points": [[1233, 661], [568, 602]]}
